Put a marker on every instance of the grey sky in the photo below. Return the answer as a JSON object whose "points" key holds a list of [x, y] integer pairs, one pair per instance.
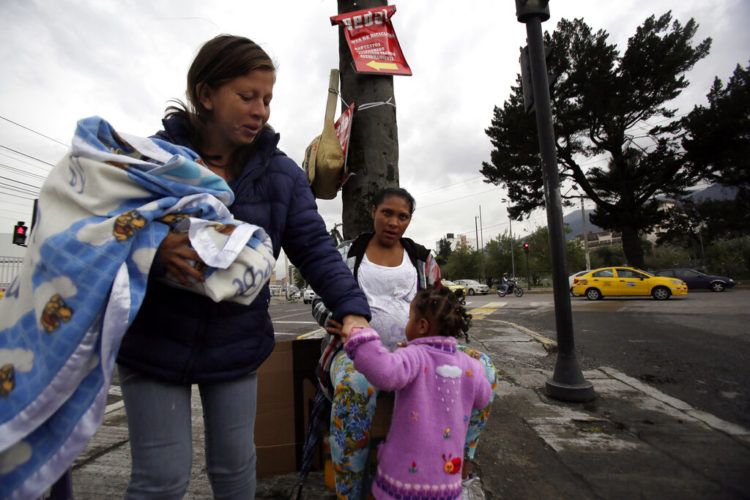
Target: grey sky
{"points": [[123, 60]]}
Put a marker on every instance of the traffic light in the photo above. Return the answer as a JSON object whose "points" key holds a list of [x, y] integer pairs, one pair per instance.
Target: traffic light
{"points": [[19, 234], [526, 247]]}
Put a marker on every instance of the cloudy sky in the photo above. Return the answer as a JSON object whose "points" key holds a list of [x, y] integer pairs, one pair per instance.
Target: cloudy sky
{"points": [[123, 60]]}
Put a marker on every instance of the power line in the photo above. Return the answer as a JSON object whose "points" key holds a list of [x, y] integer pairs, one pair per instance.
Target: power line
{"points": [[16, 195], [22, 172], [34, 131], [27, 156], [449, 186], [19, 160], [20, 182], [459, 198]]}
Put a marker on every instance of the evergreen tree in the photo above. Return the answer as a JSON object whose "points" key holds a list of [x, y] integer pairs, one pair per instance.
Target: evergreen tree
{"points": [[444, 251], [717, 142], [602, 103]]}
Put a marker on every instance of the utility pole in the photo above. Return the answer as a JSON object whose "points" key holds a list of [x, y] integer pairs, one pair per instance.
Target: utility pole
{"points": [[476, 230], [373, 144], [567, 382], [481, 230], [585, 236]]}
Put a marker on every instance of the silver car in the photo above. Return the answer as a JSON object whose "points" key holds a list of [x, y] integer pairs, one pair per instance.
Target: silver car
{"points": [[474, 287], [308, 296]]}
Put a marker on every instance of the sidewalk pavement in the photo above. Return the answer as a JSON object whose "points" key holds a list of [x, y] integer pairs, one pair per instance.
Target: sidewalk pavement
{"points": [[633, 441]]}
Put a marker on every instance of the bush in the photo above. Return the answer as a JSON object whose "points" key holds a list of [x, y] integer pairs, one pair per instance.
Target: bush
{"points": [[729, 257]]}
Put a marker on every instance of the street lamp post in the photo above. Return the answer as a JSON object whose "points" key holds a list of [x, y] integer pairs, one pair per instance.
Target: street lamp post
{"points": [[510, 233], [567, 382]]}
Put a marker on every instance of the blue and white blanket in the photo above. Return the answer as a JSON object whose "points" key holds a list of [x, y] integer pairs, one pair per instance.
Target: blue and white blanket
{"points": [[103, 211]]}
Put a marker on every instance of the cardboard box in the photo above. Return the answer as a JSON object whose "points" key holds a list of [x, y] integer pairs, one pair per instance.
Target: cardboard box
{"points": [[286, 386]]}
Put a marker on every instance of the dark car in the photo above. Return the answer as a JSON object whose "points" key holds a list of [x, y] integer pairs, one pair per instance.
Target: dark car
{"points": [[697, 280]]}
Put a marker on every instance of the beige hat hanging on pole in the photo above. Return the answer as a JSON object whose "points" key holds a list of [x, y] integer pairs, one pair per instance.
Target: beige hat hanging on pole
{"points": [[324, 158]]}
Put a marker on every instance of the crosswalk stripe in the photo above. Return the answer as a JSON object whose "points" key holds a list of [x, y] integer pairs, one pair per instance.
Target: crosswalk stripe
{"points": [[485, 310]]}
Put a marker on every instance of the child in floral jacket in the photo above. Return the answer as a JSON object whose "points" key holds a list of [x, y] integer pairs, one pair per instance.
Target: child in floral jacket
{"points": [[436, 386]]}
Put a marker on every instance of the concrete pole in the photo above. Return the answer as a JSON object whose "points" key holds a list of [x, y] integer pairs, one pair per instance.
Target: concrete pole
{"points": [[373, 145], [585, 236], [476, 231]]}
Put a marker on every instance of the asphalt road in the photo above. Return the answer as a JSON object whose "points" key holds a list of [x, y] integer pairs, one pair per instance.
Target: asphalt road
{"points": [[694, 348]]}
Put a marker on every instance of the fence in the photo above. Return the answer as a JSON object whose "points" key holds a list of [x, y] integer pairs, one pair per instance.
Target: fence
{"points": [[9, 269]]}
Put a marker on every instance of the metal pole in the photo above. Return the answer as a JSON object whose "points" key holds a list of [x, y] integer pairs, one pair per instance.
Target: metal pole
{"points": [[567, 383], [528, 273], [585, 236]]}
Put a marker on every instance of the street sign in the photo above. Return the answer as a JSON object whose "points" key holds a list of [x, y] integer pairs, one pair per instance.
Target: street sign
{"points": [[372, 41], [343, 127]]}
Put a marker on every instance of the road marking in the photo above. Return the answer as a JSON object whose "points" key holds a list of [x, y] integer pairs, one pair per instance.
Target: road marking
{"points": [[708, 419], [301, 335], [296, 322], [485, 310]]}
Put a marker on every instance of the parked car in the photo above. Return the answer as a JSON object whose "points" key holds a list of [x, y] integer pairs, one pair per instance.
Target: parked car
{"points": [[308, 296], [626, 281], [454, 287], [697, 280], [474, 287]]}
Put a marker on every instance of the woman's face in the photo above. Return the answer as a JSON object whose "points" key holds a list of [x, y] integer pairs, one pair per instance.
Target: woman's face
{"points": [[390, 219], [239, 108]]}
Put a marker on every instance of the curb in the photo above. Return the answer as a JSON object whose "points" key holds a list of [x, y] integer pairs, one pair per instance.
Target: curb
{"points": [[549, 345]]}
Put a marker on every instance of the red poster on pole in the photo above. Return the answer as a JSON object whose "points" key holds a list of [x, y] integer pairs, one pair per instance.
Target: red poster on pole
{"points": [[343, 127], [372, 41]]}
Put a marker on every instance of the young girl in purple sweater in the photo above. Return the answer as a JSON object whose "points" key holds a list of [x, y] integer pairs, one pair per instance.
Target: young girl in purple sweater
{"points": [[436, 388]]}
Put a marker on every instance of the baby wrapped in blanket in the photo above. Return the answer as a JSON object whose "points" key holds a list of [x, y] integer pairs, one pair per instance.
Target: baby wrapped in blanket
{"points": [[102, 214]]}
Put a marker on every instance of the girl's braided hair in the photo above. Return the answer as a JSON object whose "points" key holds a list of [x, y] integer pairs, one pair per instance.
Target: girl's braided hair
{"points": [[445, 312]]}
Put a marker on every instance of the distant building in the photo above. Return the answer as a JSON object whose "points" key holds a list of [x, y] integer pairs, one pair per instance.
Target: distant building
{"points": [[455, 241]]}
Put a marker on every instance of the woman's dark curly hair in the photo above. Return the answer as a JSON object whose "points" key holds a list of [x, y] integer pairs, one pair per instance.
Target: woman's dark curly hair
{"points": [[402, 193], [441, 307]]}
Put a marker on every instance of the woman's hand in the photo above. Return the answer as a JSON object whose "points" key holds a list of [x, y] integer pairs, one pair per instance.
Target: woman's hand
{"points": [[352, 321], [175, 253]]}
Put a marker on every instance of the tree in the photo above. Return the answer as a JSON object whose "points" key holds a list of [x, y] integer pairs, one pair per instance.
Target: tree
{"points": [[718, 136], [463, 263], [601, 103], [444, 251], [497, 257]]}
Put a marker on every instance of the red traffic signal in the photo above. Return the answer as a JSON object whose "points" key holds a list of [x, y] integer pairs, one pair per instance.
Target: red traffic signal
{"points": [[20, 232], [526, 247]]}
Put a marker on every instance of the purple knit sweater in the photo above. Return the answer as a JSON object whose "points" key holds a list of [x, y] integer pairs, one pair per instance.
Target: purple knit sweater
{"points": [[436, 388]]}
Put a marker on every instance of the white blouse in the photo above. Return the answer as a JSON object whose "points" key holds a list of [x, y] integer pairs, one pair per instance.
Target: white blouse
{"points": [[389, 292]]}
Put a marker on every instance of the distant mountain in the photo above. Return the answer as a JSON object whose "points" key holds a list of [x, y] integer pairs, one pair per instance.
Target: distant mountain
{"points": [[716, 192], [575, 224]]}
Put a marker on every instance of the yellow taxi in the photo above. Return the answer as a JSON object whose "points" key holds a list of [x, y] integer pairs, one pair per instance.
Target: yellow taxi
{"points": [[457, 288], [625, 282]]}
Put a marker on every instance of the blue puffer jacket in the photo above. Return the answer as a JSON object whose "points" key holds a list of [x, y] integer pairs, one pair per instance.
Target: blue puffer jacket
{"points": [[180, 336]]}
